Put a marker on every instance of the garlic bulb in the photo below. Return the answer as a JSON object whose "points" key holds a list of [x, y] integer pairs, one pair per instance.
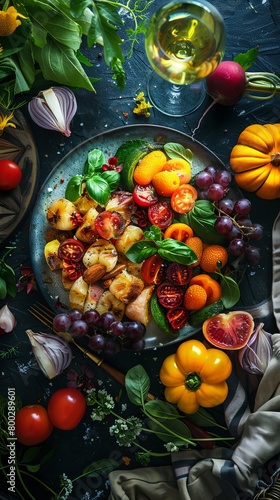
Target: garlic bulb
{"points": [[7, 320], [53, 354], [54, 109], [256, 354]]}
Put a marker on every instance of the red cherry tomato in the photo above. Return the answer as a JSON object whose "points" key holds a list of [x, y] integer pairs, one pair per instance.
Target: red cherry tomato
{"points": [[144, 196], [169, 295], [66, 408], [183, 199], [152, 270], [71, 250], [140, 217], [177, 317], [75, 270], [109, 224], [10, 175], [179, 274], [160, 214], [32, 425]]}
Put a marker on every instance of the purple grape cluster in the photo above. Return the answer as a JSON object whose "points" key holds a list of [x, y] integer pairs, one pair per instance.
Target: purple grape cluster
{"points": [[233, 220], [105, 334]]}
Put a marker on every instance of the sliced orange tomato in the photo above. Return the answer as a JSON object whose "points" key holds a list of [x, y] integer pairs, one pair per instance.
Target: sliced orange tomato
{"points": [[178, 231], [183, 199]]}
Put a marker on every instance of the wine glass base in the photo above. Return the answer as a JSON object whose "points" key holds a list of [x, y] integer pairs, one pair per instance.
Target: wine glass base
{"points": [[172, 99]]}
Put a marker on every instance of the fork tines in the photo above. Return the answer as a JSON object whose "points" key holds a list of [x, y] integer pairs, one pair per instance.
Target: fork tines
{"points": [[43, 314]]}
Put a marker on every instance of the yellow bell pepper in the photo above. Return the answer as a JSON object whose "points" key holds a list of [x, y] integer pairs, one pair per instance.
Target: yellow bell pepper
{"points": [[195, 376]]}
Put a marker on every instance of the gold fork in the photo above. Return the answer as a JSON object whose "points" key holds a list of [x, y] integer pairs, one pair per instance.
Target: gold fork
{"points": [[46, 315]]}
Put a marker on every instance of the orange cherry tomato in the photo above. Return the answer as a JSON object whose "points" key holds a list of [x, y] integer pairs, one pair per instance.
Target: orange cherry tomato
{"points": [[178, 231], [183, 199]]}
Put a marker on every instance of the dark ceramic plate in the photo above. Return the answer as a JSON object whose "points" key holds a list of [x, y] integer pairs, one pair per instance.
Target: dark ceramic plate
{"points": [[18, 144], [50, 282]]}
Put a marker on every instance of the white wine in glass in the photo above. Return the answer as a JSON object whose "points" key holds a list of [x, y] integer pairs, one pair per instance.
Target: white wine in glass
{"points": [[185, 41]]}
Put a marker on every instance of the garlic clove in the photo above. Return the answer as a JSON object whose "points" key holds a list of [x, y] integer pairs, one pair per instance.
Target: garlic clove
{"points": [[53, 354], [256, 354], [7, 320], [53, 109]]}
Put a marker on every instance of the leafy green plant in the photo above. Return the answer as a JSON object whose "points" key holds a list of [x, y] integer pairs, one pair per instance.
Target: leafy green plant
{"points": [[38, 51], [7, 277]]}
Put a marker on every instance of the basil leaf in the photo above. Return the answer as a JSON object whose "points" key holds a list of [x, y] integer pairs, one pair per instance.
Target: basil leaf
{"points": [[154, 234], [3, 288], [8, 275], [230, 291], [98, 189], [161, 409], [74, 188], [141, 251], [100, 468], [95, 160], [171, 426], [112, 178], [177, 251], [137, 384], [202, 219], [175, 150]]}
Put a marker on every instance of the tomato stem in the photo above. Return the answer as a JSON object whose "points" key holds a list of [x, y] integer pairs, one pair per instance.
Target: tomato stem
{"points": [[193, 381]]}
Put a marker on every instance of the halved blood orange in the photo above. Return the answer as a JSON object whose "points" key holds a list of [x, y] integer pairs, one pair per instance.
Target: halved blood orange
{"points": [[229, 331]]}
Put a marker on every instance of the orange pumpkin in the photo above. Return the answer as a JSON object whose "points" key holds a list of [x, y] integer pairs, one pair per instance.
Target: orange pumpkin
{"points": [[255, 160]]}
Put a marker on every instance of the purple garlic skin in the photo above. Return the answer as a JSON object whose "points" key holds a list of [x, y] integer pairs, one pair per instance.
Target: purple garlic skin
{"points": [[7, 320], [256, 354]]}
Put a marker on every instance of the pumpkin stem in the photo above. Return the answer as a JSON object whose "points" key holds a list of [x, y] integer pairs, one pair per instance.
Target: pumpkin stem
{"points": [[275, 159]]}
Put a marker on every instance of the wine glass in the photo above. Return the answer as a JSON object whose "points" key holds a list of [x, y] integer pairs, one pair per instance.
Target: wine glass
{"points": [[185, 41]]}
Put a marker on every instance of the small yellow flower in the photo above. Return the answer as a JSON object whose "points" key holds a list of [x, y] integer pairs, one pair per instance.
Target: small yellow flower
{"points": [[5, 122], [142, 106], [1, 48], [9, 21]]}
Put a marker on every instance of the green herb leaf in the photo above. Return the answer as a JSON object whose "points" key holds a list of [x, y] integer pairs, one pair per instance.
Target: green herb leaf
{"points": [[175, 150], [247, 59], [161, 409], [154, 234], [230, 291], [112, 178], [30, 454], [141, 250], [3, 288], [202, 219], [137, 384], [101, 468], [98, 189], [177, 251], [74, 188], [95, 160], [166, 435], [8, 275]]}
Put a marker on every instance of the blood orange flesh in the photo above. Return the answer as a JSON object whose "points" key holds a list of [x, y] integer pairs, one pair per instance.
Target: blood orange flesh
{"points": [[229, 331]]}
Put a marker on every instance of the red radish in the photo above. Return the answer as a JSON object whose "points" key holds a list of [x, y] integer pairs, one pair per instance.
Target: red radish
{"points": [[227, 83]]}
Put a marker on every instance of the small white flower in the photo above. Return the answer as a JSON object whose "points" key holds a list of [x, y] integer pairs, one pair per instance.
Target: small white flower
{"points": [[171, 447]]}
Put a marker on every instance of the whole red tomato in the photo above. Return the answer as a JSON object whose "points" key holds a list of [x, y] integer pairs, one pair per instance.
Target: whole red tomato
{"points": [[10, 175], [32, 425], [66, 408]]}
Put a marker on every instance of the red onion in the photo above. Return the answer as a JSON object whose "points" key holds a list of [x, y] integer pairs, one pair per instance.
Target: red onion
{"points": [[52, 353], [257, 353], [54, 109]]}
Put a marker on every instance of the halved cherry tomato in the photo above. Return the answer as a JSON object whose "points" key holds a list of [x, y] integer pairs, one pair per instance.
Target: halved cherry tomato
{"points": [[74, 270], [178, 231], [109, 224], [177, 317], [71, 250], [178, 274], [169, 295], [183, 199], [153, 270], [144, 196], [160, 214]]}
